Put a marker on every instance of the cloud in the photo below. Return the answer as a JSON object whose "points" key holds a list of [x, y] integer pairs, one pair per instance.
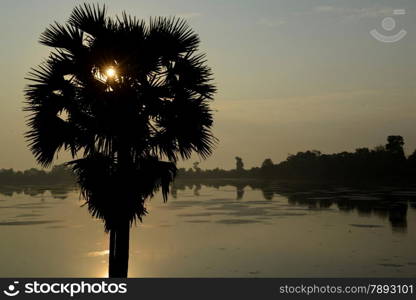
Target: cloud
{"points": [[271, 22], [354, 13]]}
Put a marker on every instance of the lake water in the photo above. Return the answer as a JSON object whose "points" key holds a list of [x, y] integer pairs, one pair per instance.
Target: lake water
{"points": [[222, 229]]}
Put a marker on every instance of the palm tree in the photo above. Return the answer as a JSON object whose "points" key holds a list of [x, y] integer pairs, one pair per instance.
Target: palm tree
{"points": [[127, 99]]}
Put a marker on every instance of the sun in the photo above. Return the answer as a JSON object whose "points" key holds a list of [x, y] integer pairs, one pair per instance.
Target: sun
{"points": [[111, 72]]}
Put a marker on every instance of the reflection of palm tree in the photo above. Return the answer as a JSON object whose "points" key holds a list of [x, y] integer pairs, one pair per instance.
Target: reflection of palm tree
{"points": [[240, 193], [239, 190], [122, 95], [197, 189], [398, 216]]}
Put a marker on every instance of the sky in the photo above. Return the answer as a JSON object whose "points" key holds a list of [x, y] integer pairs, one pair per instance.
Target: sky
{"points": [[291, 75]]}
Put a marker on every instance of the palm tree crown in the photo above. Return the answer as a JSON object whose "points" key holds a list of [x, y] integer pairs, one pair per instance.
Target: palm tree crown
{"points": [[127, 99]]}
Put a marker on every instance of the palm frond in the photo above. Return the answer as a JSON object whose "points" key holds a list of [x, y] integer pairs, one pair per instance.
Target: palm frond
{"points": [[48, 135], [153, 175], [66, 37], [170, 37], [113, 195], [89, 18]]}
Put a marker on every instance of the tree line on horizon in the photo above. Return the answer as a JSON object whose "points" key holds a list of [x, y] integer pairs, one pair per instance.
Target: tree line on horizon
{"points": [[59, 174], [382, 162]]}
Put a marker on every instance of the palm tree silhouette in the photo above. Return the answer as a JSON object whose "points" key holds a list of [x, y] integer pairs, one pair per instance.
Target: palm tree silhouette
{"points": [[127, 99]]}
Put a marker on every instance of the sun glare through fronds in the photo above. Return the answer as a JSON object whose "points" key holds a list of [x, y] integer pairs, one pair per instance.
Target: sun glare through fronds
{"points": [[110, 72]]}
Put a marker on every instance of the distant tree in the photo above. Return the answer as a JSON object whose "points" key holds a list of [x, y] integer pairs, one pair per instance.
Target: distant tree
{"points": [[62, 173], [197, 169], [362, 151], [395, 145], [412, 157], [267, 163], [239, 165], [411, 162], [379, 148], [267, 168]]}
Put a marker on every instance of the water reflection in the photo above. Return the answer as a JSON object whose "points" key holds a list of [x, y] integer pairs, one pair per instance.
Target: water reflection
{"points": [[217, 229], [390, 203], [57, 191], [384, 202]]}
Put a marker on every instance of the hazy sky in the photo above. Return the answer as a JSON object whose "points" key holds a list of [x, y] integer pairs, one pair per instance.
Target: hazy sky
{"points": [[292, 74]]}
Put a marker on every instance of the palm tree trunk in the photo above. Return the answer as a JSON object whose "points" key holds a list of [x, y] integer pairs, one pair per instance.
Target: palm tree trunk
{"points": [[120, 234], [119, 251], [112, 247]]}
